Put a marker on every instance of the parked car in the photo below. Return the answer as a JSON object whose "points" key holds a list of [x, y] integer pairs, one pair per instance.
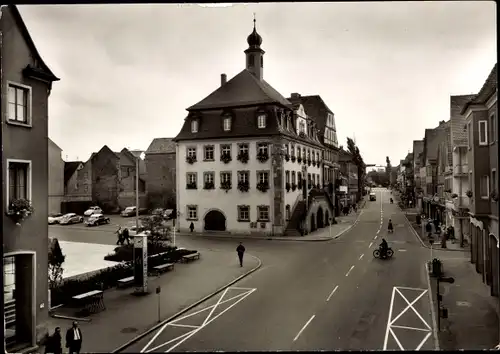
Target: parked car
{"points": [[158, 211], [168, 214], [54, 218], [93, 210], [129, 211], [70, 218], [97, 219], [373, 196], [133, 231]]}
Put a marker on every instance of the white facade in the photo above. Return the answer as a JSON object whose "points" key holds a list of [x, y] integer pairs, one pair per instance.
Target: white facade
{"points": [[460, 186]]}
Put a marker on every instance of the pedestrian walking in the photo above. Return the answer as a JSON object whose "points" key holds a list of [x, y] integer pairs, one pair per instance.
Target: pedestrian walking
{"points": [[74, 339], [120, 236], [125, 236], [240, 250], [53, 345], [191, 227]]}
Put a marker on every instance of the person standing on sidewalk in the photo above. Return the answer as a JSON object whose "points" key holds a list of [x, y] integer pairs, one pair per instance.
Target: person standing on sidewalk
{"points": [[74, 339], [240, 250], [54, 345], [120, 237]]}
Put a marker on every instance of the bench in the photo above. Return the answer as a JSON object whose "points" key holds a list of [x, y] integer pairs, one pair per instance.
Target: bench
{"points": [[190, 257], [92, 301], [163, 267], [125, 281]]}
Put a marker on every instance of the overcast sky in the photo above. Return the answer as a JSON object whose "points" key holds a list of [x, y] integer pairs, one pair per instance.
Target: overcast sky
{"points": [[386, 70]]}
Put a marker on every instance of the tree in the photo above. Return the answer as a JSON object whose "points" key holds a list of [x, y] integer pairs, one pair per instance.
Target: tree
{"points": [[388, 169], [158, 228], [56, 259], [360, 164]]}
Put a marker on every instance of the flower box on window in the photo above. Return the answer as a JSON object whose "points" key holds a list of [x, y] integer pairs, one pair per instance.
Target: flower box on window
{"points": [[309, 162], [243, 157], [190, 159], [302, 135], [191, 185], [294, 187], [314, 163], [288, 186], [226, 185], [494, 195], [226, 157], [299, 159], [263, 187], [293, 158], [469, 194], [262, 156], [447, 190], [19, 209], [208, 185], [243, 186], [287, 157], [454, 195]]}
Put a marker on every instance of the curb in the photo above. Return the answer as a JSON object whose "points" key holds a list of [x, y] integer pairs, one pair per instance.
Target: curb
{"points": [[433, 311], [162, 323], [423, 243]]}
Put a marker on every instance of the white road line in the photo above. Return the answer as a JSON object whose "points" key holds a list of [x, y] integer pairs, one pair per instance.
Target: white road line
{"points": [[182, 325], [423, 341], [361, 256], [402, 250], [213, 308], [167, 343], [370, 245], [389, 319], [412, 328], [333, 292], [396, 339], [378, 231], [300, 332], [347, 274], [375, 237]]}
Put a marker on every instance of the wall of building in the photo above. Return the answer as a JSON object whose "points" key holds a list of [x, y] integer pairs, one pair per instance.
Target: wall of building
{"points": [[32, 234], [105, 180], [217, 198], [79, 186], [56, 178], [160, 184]]}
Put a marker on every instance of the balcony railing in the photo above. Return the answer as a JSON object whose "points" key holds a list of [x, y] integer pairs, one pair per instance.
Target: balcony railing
{"points": [[461, 170], [463, 201]]}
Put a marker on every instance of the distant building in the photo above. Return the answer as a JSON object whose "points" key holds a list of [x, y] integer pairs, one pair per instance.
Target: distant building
{"points": [[160, 159], [25, 89], [77, 186], [56, 178]]}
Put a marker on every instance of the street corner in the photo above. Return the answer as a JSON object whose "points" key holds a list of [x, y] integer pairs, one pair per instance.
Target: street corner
{"points": [[409, 321], [172, 334]]}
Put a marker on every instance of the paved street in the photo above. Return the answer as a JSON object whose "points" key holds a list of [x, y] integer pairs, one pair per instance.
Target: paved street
{"points": [[327, 295]]}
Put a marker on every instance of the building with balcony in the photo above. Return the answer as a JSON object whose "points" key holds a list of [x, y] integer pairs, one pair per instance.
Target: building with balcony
{"points": [[26, 83], [459, 205], [248, 159], [481, 121], [418, 149], [444, 176]]}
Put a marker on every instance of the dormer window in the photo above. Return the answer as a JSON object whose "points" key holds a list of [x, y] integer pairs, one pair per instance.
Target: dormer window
{"points": [[261, 120], [194, 126], [302, 127], [227, 124]]}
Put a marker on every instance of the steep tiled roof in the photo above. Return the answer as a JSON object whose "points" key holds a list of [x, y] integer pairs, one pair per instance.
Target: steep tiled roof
{"points": [[43, 68], [69, 169], [136, 153], [161, 146], [488, 89], [432, 139], [242, 90], [317, 109], [244, 124], [418, 148], [458, 133]]}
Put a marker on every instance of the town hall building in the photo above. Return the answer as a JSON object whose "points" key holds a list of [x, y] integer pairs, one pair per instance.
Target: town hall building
{"points": [[248, 159]]}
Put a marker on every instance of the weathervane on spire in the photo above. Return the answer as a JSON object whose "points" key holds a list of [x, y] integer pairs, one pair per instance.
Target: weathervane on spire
{"points": [[254, 20]]}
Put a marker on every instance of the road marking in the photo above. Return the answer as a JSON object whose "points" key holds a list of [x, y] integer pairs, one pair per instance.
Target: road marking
{"points": [[347, 274], [361, 256], [378, 231], [391, 305], [375, 237], [413, 328], [402, 250], [370, 245], [182, 338], [333, 292], [300, 332]]}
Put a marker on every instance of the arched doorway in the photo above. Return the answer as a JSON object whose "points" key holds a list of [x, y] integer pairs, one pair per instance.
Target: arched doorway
{"points": [[215, 221], [313, 222], [327, 218], [319, 218]]}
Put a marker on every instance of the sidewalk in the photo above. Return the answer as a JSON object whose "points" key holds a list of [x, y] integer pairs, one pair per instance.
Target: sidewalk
{"points": [[451, 245], [344, 224], [472, 321], [126, 316]]}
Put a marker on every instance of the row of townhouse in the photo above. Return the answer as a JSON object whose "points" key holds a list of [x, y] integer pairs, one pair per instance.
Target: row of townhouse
{"points": [[455, 176], [25, 84], [106, 179], [248, 160]]}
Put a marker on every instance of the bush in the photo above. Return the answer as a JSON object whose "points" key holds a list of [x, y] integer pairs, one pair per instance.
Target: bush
{"points": [[105, 279], [56, 258], [124, 253]]}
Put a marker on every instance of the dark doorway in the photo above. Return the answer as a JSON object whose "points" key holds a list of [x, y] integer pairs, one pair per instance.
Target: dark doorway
{"points": [[313, 223], [215, 221], [319, 218]]}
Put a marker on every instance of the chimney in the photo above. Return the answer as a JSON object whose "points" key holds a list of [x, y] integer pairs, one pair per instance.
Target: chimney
{"points": [[295, 95], [223, 79]]}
